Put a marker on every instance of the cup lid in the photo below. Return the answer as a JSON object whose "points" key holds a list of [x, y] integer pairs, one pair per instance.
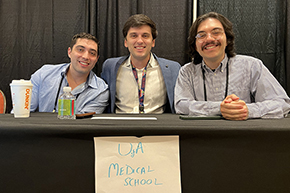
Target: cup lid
{"points": [[21, 82]]}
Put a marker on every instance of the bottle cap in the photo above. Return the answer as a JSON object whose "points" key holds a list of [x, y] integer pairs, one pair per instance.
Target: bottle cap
{"points": [[66, 89]]}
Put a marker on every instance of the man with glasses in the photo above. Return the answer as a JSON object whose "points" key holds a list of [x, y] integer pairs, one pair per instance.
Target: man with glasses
{"points": [[219, 82]]}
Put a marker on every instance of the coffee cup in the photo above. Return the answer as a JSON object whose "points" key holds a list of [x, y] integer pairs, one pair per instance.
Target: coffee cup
{"points": [[21, 91]]}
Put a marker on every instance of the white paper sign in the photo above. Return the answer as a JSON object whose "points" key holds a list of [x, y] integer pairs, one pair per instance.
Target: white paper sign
{"points": [[144, 165]]}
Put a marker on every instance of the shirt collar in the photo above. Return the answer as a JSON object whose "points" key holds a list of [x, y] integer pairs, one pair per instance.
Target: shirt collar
{"points": [[221, 67], [89, 81], [64, 70], [151, 64]]}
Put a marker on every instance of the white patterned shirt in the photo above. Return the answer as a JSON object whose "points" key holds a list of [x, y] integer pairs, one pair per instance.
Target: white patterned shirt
{"points": [[249, 79]]}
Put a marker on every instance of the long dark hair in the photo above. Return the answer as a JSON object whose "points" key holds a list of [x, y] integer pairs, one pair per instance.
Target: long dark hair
{"points": [[228, 27]]}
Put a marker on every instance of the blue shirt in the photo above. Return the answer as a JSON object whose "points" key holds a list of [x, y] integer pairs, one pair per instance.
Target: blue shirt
{"points": [[249, 79], [92, 96]]}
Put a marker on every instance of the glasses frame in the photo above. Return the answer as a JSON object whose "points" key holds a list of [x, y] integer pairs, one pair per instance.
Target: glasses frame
{"points": [[201, 40]]}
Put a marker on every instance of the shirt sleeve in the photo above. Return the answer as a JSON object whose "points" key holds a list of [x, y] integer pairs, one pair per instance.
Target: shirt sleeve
{"points": [[94, 98], [35, 80], [185, 100], [270, 99], [97, 105]]}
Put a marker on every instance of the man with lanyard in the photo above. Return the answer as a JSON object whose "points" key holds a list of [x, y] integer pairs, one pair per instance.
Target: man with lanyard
{"points": [[91, 91], [219, 82], [140, 82]]}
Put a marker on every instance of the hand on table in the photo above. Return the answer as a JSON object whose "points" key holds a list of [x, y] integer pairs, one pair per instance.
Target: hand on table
{"points": [[233, 108]]}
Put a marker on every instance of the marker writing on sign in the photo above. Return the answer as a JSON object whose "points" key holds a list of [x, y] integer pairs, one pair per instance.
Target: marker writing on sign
{"points": [[124, 151], [137, 182], [117, 170]]}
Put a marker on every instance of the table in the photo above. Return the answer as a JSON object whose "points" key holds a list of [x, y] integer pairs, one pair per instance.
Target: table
{"points": [[48, 155]]}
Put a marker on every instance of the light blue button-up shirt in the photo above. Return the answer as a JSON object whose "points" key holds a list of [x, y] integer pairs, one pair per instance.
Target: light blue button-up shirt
{"points": [[249, 79], [92, 96]]}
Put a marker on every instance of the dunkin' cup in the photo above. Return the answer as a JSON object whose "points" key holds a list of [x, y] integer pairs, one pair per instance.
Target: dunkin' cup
{"points": [[21, 91]]}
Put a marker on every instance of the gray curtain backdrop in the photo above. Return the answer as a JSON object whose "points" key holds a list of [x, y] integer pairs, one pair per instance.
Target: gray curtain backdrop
{"points": [[260, 30], [173, 20], [287, 45], [33, 33], [37, 32]]}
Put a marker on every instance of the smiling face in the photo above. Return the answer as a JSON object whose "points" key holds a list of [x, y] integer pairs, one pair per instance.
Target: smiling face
{"points": [[139, 42], [84, 56], [211, 50]]}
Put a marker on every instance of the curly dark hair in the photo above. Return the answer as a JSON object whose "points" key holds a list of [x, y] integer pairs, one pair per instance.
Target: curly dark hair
{"points": [[84, 35], [228, 28], [137, 21]]}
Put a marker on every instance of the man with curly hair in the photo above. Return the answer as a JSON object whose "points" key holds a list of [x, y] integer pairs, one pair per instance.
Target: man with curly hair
{"points": [[219, 82]]}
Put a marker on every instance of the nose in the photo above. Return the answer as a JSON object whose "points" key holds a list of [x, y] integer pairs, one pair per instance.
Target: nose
{"points": [[208, 36], [140, 40], [85, 55]]}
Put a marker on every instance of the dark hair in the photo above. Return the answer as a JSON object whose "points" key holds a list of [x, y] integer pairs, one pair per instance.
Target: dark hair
{"points": [[228, 27], [84, 35], [137, 21]]}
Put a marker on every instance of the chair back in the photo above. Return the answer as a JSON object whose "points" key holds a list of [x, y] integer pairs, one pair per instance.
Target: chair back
{"points": [[2, 103]]}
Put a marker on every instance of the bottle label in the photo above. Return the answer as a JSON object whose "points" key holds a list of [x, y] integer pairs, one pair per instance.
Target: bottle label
{"points": [[66, 107]]}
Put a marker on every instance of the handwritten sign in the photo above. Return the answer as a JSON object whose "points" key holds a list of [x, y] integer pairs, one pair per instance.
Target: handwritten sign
{"points": [[130, 164]]}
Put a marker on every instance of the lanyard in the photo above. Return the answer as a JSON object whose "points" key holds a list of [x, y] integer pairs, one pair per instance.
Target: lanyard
{"points": [[141, 91], [59, 86], [227, 82]]}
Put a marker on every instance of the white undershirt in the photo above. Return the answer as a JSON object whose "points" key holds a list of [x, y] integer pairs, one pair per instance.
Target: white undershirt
{"points": [[127, 99]]}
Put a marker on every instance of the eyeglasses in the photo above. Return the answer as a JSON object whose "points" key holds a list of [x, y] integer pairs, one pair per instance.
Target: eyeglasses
{"points": [[215, 34]]}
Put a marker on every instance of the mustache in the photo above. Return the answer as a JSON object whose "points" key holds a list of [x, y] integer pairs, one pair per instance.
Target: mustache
{"points": [[211, 42]]}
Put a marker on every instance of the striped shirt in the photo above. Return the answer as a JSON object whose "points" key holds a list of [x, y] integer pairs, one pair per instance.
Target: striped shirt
{"points": [[248, 79]]}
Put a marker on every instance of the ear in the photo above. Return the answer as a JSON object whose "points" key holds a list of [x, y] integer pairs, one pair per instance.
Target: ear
{"points": [[69, 52], [125, 43], [153, 43]]}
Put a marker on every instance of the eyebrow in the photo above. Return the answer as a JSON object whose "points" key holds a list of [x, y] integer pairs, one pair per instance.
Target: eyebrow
{"points": [[85, 48], [134, 33], [211, 30]]}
